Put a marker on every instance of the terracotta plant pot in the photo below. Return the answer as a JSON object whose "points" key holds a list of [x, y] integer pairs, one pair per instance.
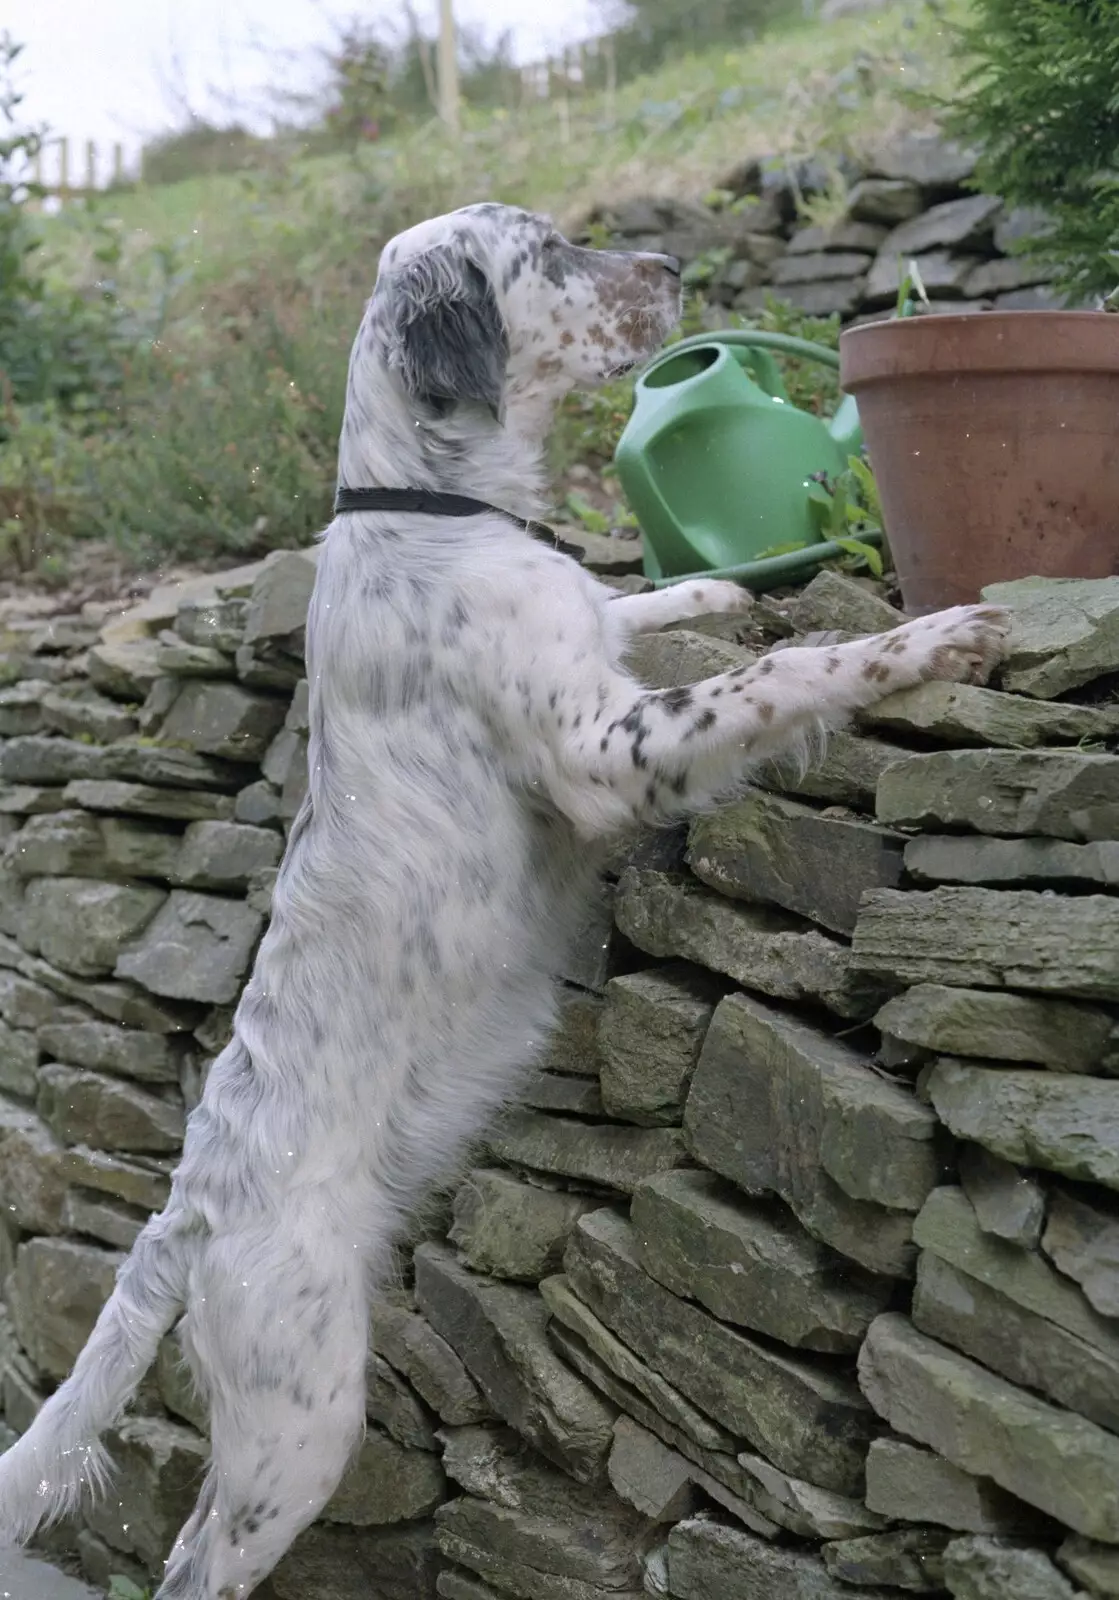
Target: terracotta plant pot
{"points": [[994, 438]]}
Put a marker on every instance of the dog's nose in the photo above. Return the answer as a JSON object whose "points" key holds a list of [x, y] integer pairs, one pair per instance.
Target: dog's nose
{"points": [[669, 263]]}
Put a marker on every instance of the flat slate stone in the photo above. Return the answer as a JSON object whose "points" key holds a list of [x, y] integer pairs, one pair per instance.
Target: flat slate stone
{"points": [[707, 1559], [21, 708], [650, 1033], [610, 1154], [224, 719], [807, 1420], [846, 774], [752, 1264], [597, 1544], [74, 844], [908, 1484], [105, 1047], [394, 1405], [83, 714], [1008, 1308], [573, 1047], [178, 659], [399, 1562], [511, 1229], [884, 201], [648, 1475], [1082, 1240], [986, 1569], [19, 1061], [850, 1153], [224, 855], [1058, 1034], [956, 224], [761, 1496], [560, 1092], [387, 1483], [55, 1296], [637, 1376], [90, 1108], [846, 234], [678, 658], [144, 800], [927, 159], [1013, 863], [816, 864], [498, 1330], [139, 1183], [1096, 1566], [1063, 1124], [198, 947], [79, 924], [32, 1179], [1006, 1201], [761, 947], [280, 596], [411, 1345], [27, 800], [1064, 633], [45, 759], [991, 938], [967, 1314], [118, 1001], [96, 1216], [454, 1584], [906, 1558], [24, 1004], [966, 714], [1061, 794], [819, 267], [126, 668], [834, 601], [1045, 1455]]}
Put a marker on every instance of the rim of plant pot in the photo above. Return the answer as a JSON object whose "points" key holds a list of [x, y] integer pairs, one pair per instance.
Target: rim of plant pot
{"points": [[990, 341]]}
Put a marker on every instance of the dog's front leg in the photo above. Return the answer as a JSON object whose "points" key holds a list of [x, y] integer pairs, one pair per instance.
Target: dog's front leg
{"points": [[681, 602], [651, 755]]}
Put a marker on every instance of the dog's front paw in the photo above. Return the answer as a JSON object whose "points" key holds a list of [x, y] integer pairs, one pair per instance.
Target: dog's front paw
{"points": [[717, 597], [962, 645]]}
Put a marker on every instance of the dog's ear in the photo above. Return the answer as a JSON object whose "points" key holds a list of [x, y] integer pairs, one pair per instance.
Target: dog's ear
{"points": [[450, 342]]}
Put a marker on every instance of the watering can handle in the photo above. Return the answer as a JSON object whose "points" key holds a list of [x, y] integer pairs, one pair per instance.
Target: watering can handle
{"points": [[760, 340], [844, 426]]}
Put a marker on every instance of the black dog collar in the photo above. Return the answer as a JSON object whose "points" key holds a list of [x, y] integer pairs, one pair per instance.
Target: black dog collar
{"points": [[427, 502]]}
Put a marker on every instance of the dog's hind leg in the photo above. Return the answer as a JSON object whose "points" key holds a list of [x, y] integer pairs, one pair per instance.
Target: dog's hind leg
{"points": [[279, 1330]]}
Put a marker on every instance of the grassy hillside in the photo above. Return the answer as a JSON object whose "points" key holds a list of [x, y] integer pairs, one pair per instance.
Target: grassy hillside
{"points": [[246, 290]]}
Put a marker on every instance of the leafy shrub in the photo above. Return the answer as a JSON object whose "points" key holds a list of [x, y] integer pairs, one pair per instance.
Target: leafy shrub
{"points": [[201, 149], [1040, 97]]}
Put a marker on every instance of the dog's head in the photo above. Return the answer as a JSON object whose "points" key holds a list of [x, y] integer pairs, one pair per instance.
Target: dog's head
{"points": [[490, 303]]}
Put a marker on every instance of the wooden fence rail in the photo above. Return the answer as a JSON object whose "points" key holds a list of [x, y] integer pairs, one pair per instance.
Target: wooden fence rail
{"points": [[54, 173]]}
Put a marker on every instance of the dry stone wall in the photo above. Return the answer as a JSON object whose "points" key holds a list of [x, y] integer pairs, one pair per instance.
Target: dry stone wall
{"points": [[795, 1273], [911, 200]]}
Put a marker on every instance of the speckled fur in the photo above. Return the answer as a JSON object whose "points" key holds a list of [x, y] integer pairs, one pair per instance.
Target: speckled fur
{"points": [[475, 743]]}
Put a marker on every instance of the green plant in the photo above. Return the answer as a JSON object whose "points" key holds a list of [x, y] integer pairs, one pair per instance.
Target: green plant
{"points": [[1040, 97], [912, 297], [847, 508]]}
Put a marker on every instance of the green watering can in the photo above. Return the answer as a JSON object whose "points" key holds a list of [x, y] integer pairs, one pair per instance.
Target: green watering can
{"points": [[716, 461]]}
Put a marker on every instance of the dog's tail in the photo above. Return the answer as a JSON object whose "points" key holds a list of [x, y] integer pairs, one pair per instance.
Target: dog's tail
{"points": [[43, 1474]]}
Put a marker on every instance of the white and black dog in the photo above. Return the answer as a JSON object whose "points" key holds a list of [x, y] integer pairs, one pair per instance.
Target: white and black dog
{"points": [[475, 744]]}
